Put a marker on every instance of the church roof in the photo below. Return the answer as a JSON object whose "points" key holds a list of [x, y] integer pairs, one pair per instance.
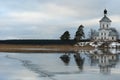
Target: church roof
{"points": [[105, 19], [113, 32]]}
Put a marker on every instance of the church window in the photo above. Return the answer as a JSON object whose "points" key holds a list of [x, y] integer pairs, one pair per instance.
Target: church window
{"points": [[107, 25], [103, 25], [101, 38], [112, 57], [105, 38], [112, 38], [95, 37], [101, 33], [104, 33]]}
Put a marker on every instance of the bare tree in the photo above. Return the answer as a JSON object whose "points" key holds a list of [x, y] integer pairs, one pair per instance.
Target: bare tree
{"points": [[91, 33]]}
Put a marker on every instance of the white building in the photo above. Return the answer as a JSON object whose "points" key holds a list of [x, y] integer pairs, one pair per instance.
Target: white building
{"points": [[105, 32]]}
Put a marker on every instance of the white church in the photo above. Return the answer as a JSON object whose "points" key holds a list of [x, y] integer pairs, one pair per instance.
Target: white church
{"points": [[105, 32]]}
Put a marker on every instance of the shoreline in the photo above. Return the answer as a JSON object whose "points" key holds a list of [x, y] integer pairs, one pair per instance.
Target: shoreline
{"points": [[42, 48]]}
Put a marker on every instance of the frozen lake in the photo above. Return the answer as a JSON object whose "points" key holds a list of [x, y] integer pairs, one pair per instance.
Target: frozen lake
{"points": [[60, 66]]}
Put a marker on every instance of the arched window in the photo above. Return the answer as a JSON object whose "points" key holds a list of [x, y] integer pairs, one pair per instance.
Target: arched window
{"points": [[104, 37], [112, 57], [101, 33], [101, 38], [95, 38], [103, 25], [104, 33], [107, 25], [112, 38]]}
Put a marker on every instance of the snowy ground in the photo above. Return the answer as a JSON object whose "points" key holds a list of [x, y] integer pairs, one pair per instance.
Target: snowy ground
{"points": [[23, 66]]}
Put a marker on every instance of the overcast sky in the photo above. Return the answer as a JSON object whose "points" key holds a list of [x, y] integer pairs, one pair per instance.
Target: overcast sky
{"points": [[48, 19]]}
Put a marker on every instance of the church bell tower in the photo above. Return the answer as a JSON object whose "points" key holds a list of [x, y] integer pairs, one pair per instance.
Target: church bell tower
{"points": [[105, 22]]}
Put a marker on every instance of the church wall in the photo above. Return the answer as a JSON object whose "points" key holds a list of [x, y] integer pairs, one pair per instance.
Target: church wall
{"points": [[112, 38], [103, 34], [105, 38], [104, 25]]}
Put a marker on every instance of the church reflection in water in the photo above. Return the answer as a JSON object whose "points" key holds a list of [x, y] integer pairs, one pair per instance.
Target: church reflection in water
{"points": [[105, 60]]}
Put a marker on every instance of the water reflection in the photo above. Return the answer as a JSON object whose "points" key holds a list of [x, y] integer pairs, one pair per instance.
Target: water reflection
{"points": [[65, 58], [53, 65], [104, 59], [79, 60]]}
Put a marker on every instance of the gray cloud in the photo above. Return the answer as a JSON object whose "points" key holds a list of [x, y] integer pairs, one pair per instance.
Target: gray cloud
{"points": [[39, 18]]}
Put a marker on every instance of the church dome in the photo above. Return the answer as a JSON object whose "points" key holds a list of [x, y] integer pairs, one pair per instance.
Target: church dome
{"points": [[105, 18]]}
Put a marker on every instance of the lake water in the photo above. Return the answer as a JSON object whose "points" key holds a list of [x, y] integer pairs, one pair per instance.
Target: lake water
{"points": [[83, 65]]}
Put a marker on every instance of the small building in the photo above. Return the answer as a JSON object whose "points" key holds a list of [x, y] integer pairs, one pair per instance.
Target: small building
{"points": [[83, 42]]}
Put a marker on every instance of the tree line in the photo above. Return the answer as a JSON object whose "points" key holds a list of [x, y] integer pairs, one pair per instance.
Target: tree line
{"points": [[78, 35]]}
